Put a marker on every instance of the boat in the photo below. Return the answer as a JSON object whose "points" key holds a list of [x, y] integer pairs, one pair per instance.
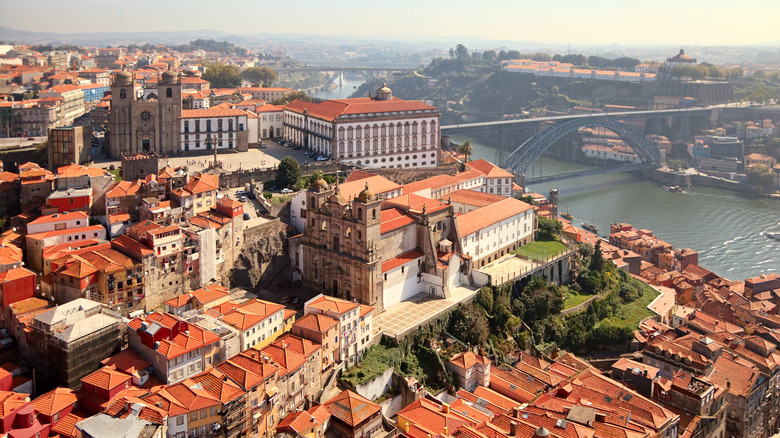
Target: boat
{"points": [[775, 236], [672, 188], [590, 227], [568, 216]]}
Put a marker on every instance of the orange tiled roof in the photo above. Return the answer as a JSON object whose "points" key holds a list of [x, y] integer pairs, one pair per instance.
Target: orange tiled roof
{"points": [[482, 217], [107, 378], [55, 401], [351, 408], [333, 304], [489, 169], [316, 322]]}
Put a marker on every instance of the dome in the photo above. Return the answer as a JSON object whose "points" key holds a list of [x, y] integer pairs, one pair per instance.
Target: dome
{"points": [[366, 195], [124, 77], [169, 76], [384, 93], [337, 198], [682, 57], [319, 185]]}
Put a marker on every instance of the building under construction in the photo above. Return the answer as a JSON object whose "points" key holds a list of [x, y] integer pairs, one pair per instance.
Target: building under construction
{"points": [[69, 341]]}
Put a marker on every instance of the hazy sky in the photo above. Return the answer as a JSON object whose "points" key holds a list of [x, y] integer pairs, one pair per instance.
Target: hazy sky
{"points": [[579, 22]]}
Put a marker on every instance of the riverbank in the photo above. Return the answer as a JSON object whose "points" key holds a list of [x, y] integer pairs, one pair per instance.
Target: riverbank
{"points": [[702, 180]]}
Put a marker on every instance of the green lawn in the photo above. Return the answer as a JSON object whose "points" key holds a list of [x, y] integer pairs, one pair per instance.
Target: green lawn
{"points": [[574, 298], [541, 249], [117, 176], [629, 315], [376, 361]]}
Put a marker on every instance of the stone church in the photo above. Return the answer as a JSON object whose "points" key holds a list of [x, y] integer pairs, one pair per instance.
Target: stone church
{"points": [[138, 125]]}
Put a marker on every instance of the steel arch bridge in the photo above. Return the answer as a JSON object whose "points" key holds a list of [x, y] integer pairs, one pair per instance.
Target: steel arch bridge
{"points": [[522, 158]]}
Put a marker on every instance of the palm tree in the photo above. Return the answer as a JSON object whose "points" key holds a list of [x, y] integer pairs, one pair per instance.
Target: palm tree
{"points": [[466, 149]]}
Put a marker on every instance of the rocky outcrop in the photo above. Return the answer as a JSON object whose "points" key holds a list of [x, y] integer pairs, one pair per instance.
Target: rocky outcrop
{"points": [[263, 256]]}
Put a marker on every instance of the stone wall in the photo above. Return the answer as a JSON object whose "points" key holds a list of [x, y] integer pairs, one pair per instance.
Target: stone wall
{"points": [[264, 255], [407, 176], [140, 165], [238, 178]]}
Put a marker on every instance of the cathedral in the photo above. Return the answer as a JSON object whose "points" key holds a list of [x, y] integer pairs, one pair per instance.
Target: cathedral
{"points": [[143, 125]]}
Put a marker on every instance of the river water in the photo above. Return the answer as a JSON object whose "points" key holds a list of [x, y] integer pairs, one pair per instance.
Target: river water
{"points": [[349, 87], [726, 228]]}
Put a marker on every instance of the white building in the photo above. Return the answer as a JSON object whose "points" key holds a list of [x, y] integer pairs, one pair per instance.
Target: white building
{"points": [[58, 221], [493, 231], [201, 129], [270, 123], [380, 131]]}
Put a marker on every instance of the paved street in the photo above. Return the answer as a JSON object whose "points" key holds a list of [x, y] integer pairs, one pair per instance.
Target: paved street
{"points": [[405, 316]]}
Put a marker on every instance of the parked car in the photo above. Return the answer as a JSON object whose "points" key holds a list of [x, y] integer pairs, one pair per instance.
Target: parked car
{"points": [[322, 158], [247, 216], [262, 145], [286, 190], [242, 199]]}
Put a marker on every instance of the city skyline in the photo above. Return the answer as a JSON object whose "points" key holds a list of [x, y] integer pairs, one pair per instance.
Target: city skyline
{"points": [[600, 22]]}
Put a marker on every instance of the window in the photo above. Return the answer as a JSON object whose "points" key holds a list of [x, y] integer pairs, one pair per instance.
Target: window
{"points": [[193, 416], [122, 93], [204, 413], [180, 420], [169, 92]]}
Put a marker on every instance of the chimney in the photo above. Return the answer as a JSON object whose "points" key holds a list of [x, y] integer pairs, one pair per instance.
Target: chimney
{"points": [[512, 428], [446, 431], [516, 412], [445, 408]]}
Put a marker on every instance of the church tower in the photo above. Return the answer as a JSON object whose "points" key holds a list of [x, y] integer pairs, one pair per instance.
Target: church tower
{"points": [[366, 211], [169, 98], [120, 123]]}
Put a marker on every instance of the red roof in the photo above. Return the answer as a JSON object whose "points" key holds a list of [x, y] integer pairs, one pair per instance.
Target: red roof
{"points": [[333, 304], [316, 322], [210, 112], [393, 219], [332, 109], [191, 339], [60, 217], [15, 274], [402, 259], [127, 361], [107, 378], [55, 401], [489, 169], [482, 217], [475, 198], [351, 408]]}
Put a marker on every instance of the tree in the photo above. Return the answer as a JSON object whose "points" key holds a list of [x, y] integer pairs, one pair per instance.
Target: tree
{"points": [[551, 227], [597, 261], [222, 76], [293, 95], [461, 52], [288, 174], [259, 76], [466, 149], [761, 176], [489, 55]]}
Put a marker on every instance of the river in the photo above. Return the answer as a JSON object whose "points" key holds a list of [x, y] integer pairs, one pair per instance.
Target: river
{"points": [[726, 228], [350, 85]]}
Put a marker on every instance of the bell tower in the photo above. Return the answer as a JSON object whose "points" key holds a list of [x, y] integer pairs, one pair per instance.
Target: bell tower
{"points": [[169, 101], [120, 121]]}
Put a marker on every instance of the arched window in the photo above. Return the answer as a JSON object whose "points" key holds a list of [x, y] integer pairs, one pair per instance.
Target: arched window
{"points": [[424, 129], [360, 214], [414, 128], [376, 144], [366, 132], [424, 140], [122, 93], [358, 132], [373, 214], [168, 92], [376, 130], [433, 139]]}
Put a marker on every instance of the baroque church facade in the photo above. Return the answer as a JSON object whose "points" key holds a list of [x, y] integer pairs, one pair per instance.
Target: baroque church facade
{"points": [[143, 125]]}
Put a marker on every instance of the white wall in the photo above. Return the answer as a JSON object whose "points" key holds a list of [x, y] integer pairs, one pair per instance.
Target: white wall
{"points": [[400, 286]]}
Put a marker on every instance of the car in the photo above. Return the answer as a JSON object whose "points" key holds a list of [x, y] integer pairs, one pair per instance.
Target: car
{"points": [[247, 216], [241, 192], [286, 190], [322, 158], [242, 199], [30, 138], [262, 145]]}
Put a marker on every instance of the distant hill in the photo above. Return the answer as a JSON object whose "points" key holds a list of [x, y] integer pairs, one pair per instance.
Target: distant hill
{"points": [[9, 35]]}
